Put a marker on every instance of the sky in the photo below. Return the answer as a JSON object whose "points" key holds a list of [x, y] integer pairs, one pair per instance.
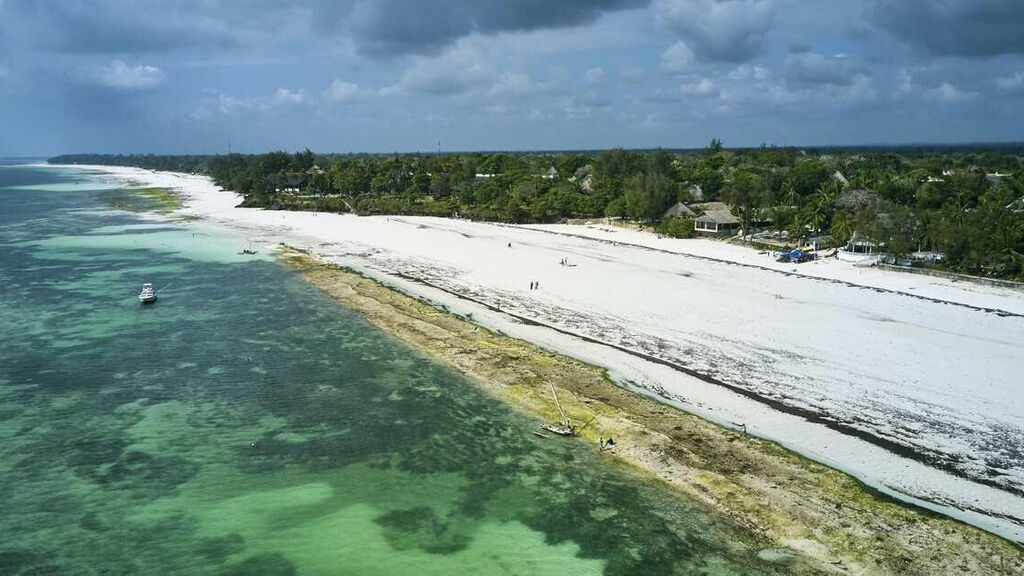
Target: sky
{"points": [[195, 76]]}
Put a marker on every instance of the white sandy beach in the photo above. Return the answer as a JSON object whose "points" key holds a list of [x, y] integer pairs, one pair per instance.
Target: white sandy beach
{"points": [[912, 383]]}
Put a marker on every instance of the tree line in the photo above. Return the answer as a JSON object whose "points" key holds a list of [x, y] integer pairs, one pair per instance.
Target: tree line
{"points": [[966, 203]]}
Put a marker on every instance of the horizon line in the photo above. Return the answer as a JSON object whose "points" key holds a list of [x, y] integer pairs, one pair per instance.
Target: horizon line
{"points": [[861, 146]]}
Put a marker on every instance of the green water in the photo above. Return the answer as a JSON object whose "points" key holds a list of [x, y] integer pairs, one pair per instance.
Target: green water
{"points": [[245, 424]]}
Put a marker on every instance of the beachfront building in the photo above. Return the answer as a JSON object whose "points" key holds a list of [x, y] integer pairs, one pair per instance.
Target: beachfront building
{"points": [[290, 183], [859, 250], [716, 218], [995, 177], [679, 210]]}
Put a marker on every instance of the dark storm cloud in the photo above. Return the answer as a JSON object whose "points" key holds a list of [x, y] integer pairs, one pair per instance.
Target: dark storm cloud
{"points": [[972, 28], [384, 28], [720, 30], [107, 26], [379, 28]]}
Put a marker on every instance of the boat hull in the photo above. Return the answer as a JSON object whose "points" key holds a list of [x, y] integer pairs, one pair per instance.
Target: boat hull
{"points": [[559, 429]]}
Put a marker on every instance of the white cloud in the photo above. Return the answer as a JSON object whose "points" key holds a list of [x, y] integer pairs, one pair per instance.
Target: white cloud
{"points": [[677, 58], [286, 96], [702, 87], [947, 93], [931, 89], [748, 88], [342, 91], [1011, 83], [517, 85], [282, 98], [123, 76], [861, 90], [457, 70], [749, 72], [480, 76], [595, 75]]}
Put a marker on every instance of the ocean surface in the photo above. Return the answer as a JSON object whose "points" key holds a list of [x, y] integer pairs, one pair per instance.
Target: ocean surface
{"points": [[247, 424]]}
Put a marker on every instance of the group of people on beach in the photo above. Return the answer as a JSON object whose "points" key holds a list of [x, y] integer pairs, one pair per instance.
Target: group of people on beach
{"points": [[536, 285]]}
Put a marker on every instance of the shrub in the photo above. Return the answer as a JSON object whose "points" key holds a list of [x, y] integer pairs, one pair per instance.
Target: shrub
{"points": [[677, 227]]}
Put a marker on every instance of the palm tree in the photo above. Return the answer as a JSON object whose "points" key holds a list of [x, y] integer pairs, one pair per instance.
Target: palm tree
{"points": [[789, 195], [842, 227], [796, 228], [935, 235], [815, 217], [958, 209], [827, 193]]}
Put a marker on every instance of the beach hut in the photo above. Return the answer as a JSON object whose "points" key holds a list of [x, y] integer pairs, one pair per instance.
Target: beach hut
{"points": [[716, 218], [679, 210]]}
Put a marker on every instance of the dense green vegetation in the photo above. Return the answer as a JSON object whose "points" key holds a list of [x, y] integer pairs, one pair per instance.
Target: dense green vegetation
{"points": [[965, 203]]}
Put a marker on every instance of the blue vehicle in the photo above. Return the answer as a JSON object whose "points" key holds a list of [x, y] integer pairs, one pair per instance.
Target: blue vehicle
{"points": [[796, 256]]}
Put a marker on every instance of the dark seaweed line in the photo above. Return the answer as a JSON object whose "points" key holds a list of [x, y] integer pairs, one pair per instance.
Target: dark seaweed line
{"points": [[808, 415], [996, 311]]}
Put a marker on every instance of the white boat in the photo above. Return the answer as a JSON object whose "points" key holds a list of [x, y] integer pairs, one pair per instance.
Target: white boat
{"points": [[148, 295]]}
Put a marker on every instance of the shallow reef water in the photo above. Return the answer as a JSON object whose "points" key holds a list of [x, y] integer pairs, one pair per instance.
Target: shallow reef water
{"points": [[246, 424]]}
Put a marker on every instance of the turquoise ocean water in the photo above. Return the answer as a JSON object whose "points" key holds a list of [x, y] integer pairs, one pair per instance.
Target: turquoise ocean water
{"points": [[246, 424]]}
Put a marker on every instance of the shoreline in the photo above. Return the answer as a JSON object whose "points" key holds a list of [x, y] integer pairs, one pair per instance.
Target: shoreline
{"points": [[328, 236], [807, 415], [790, 501]]}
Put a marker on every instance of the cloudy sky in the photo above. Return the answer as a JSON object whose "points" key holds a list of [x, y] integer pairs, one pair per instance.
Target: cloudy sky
{"points": [[401, 75]]}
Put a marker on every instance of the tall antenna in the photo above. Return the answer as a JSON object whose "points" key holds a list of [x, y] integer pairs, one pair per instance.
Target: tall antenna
{"points": [[229, 146], [438, 146]]}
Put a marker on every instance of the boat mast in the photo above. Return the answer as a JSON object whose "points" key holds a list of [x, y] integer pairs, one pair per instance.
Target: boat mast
{"points": [[558, 404]]}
